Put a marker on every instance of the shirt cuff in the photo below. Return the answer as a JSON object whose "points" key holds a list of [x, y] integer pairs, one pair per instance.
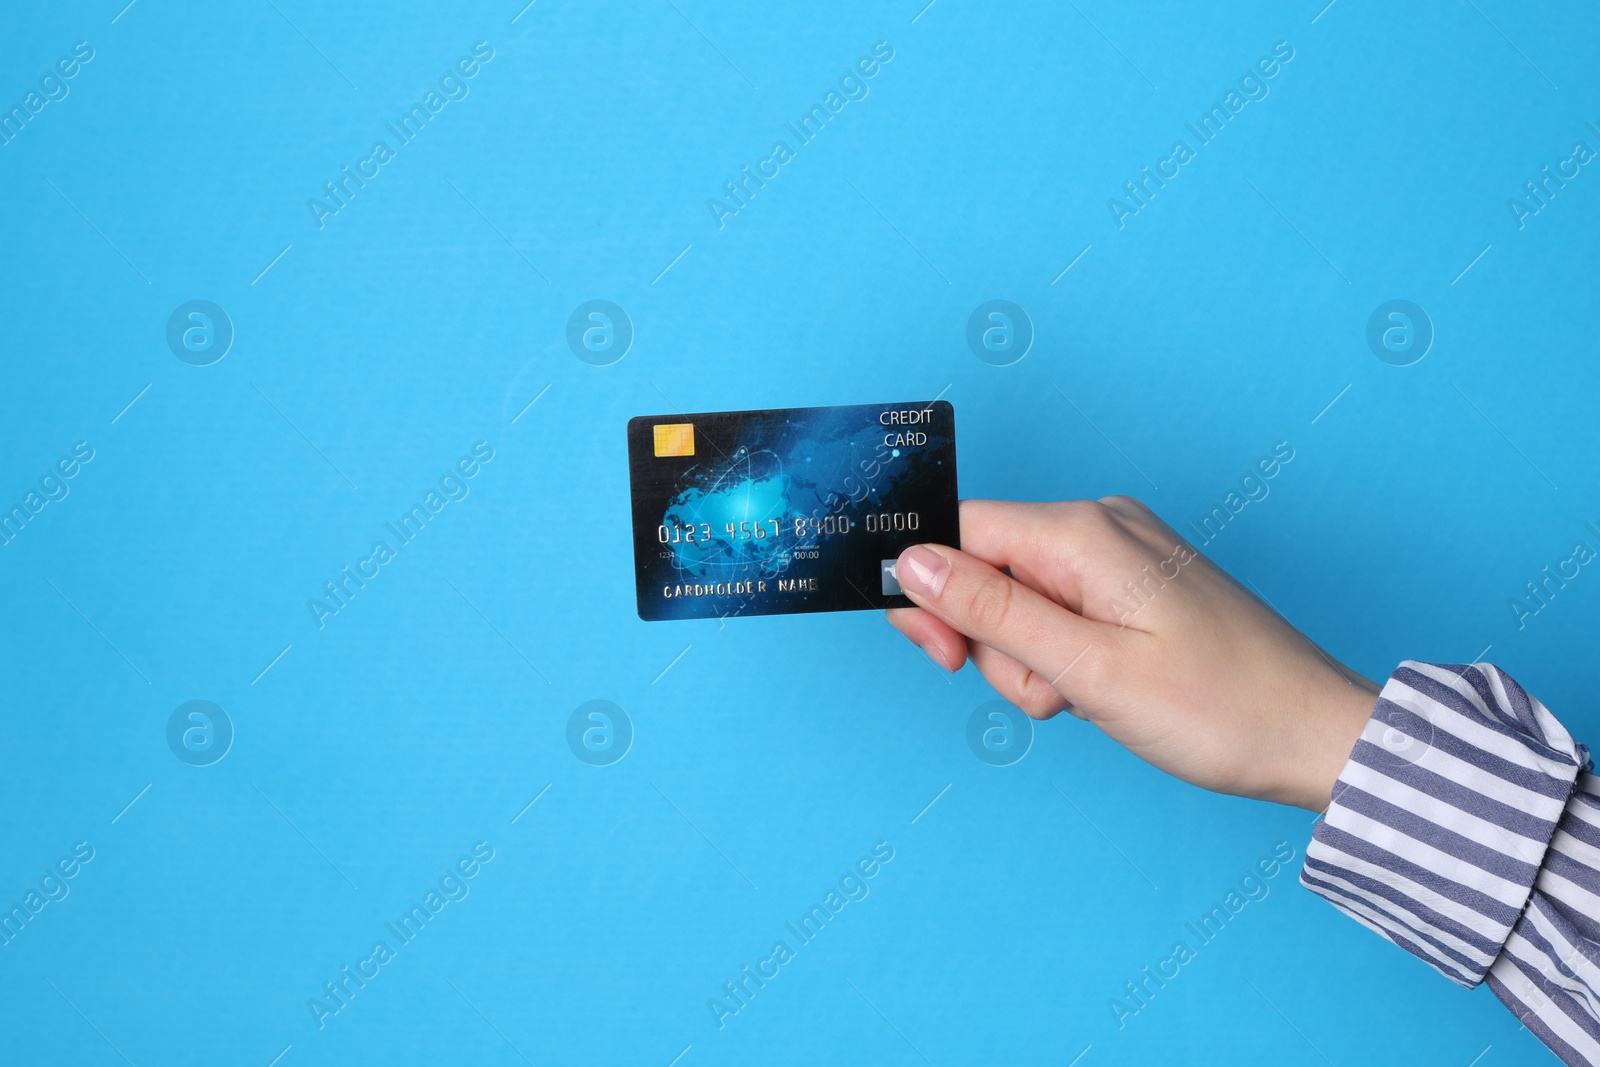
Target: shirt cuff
{"points": [[1442, 817], [1549, 972]]}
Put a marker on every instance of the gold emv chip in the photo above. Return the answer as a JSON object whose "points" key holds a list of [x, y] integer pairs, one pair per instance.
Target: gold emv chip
{"points": [[674, 438]]}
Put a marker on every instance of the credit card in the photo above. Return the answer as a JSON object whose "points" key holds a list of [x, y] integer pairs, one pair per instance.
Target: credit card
{"points": [[787, 509]]}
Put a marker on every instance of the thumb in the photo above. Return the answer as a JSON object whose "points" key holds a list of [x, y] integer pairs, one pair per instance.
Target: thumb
{"points": [[973, 598]]}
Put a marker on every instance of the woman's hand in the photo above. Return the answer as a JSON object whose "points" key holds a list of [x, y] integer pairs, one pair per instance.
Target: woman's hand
{"points": [[1100, 608]]}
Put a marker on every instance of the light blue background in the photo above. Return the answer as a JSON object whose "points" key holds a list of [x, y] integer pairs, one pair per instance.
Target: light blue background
{"points": [[775, 751]]}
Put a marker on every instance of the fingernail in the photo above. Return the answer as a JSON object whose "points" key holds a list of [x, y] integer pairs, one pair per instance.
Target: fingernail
{"points": [[922, 571], [933, 653]]}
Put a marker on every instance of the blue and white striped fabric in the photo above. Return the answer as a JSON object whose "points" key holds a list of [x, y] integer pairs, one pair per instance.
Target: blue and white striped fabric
{"points": [[1466, 830]]}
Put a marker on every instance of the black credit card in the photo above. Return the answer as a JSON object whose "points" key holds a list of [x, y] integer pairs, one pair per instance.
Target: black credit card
{"points": [[787, 509]]}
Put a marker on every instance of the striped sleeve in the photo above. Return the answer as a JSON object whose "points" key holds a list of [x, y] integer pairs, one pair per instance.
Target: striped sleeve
{"points": [[1465, 830]]}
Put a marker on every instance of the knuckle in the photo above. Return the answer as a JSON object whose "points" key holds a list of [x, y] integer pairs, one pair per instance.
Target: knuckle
{"points": [[1129, 503], [1087, 670], [1097, 666], [1038, 700], [990, 603], [1078, 514], [1096, 513], [1085, 509], [1090, 520]]}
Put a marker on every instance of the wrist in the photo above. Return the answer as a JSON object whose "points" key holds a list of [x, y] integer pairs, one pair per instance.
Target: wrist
{"points": [[1336, 727]]}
